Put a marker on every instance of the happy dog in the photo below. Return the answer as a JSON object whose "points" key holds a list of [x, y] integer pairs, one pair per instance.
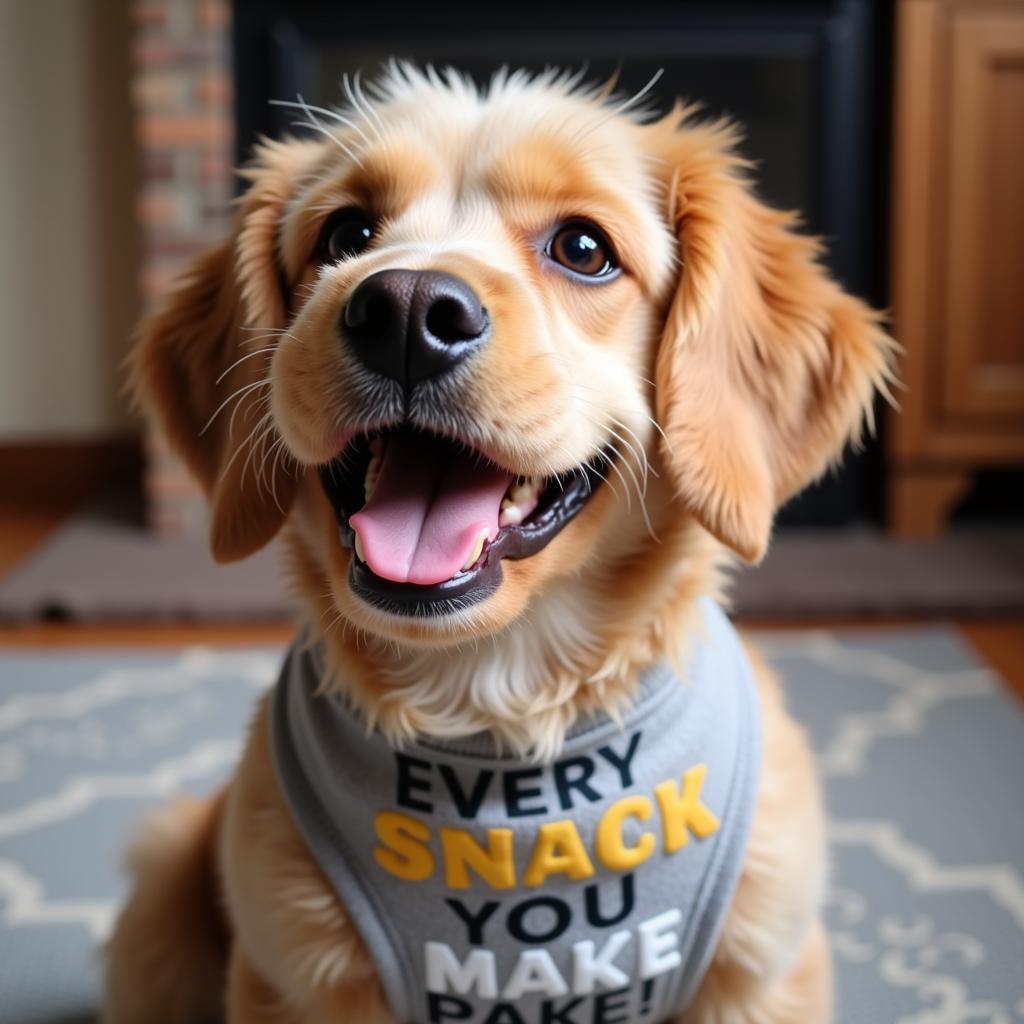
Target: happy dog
{"points": [[512, 371]]}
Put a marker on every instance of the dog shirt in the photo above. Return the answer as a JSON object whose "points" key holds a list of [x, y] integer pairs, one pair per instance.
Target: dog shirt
{"points": [[494, 890]]}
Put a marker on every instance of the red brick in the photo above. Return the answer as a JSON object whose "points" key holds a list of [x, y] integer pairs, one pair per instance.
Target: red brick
{"points": [[213, 89], [150, 15], [187, 129], [213, 14], [161, 90]]}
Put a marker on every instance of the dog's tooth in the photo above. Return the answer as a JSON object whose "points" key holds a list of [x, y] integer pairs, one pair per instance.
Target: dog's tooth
{"points": [[512, 515], [360, 553], [521, 492], [477, 549]]}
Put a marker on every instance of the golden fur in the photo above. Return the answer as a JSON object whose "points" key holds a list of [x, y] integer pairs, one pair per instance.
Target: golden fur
{"points": [[724, 362]]}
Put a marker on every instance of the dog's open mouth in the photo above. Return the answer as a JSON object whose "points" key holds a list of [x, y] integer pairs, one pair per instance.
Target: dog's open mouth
{"points": [[430, 519]]}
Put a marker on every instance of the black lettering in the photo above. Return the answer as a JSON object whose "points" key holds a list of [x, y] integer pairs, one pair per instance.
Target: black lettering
{"points": [[515, 794], [623, 764], [565, 784], [552, 1014], [503, 1013], [611, 1002], [474, 922], [517, 925], [440, 1008], [592, 904], [407, 782], [467, 806], [645, 997]]}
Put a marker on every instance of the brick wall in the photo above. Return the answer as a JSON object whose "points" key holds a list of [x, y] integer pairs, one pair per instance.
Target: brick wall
{"points": [[181, 85]]}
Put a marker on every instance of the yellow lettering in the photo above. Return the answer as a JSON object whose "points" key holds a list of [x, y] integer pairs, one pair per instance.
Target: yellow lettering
{"points": [[493, 864], [404, 853], [612, 852], [683, 812], [558, 850]]}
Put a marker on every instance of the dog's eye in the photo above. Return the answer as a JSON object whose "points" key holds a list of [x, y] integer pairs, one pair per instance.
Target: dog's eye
{"points": [[346, 233], [583, 249]]}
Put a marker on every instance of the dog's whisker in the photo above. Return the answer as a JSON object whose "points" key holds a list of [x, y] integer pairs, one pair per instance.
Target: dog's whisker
{"points": [[251, 406], [281, 451], [578, 467], [639, 444], [242, 359], [310, 109], [313, 123], [242, 445], [614, 465], [279, 332], [260, 445], [237, 395], [596, 418], [639, 94], [352, 92], [371, 109], [641, 464]]}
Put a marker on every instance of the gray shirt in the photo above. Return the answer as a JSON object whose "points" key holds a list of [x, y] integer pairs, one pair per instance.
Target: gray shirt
{"points": [[494, 890]]}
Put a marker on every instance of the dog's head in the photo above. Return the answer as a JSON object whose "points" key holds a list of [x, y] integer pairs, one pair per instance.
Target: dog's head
{"points": [[472, 346]]}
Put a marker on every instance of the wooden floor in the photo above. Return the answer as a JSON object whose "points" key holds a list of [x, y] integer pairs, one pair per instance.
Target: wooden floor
{"points": [[999, 642]]}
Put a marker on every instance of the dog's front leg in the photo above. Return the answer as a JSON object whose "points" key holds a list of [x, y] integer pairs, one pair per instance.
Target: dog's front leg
{"points": [[250, 998], [296, 957]]}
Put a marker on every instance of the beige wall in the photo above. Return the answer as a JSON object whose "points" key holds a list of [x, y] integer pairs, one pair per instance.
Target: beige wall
{"points": [[67, 237]]}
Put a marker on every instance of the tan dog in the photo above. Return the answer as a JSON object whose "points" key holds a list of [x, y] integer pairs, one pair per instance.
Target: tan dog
{"points": [[570, 294]]}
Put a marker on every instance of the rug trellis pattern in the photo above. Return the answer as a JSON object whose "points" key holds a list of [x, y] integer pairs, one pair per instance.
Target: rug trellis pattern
{"points": [[921, 749]]}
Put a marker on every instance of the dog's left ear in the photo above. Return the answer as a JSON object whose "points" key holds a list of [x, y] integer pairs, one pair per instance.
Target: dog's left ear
{"points": [[203, 358], [766, 367]]}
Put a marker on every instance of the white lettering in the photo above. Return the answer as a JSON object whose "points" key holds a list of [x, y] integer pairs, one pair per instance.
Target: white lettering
{"points": [[658, 942], [444, 971], [535, 971], [590, 970]]}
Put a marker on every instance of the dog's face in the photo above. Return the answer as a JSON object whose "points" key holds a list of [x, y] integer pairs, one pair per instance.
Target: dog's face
{"points": [[474, 345]]}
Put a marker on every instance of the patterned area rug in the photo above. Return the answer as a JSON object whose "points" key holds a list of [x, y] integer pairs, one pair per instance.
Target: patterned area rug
{"points": [[922, 753]]}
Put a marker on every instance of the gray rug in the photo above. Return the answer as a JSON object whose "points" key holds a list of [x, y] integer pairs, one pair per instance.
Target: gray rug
{"points": [[922, 753], [97, 569]]}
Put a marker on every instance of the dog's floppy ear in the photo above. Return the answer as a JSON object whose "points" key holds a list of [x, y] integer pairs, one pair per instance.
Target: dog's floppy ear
{"points": [[766, 367], [203, 359]]}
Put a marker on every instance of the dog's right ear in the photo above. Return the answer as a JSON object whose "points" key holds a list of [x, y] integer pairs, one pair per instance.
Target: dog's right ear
{"points": [[203, 362], [766, 367]]}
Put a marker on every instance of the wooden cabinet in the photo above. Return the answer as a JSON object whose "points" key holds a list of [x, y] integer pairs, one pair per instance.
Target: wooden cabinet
{"points": [[958, 252]]}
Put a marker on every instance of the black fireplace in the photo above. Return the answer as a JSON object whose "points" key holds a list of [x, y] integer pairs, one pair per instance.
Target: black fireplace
{"points": [[809, 81]]}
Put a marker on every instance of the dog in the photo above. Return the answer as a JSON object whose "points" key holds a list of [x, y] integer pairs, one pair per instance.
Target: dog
{"points": [[519, 373]]}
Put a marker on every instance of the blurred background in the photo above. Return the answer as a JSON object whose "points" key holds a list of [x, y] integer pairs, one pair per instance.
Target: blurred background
{"points": [[892, 598], [896, 129]]}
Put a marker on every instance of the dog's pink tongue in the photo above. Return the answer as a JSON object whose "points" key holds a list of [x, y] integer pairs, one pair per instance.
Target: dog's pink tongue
{"points": [[428, 510]]}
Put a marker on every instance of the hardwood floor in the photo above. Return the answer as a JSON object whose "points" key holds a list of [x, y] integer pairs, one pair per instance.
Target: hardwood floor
{"points": [[999, 643], [23, 529]]}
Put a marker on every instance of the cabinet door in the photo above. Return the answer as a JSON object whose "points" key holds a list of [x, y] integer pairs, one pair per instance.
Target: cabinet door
{"points": [[983, 366]]}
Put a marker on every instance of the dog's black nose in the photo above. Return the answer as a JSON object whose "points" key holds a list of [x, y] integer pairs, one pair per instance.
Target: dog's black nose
{"points": [[412, 324]]}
